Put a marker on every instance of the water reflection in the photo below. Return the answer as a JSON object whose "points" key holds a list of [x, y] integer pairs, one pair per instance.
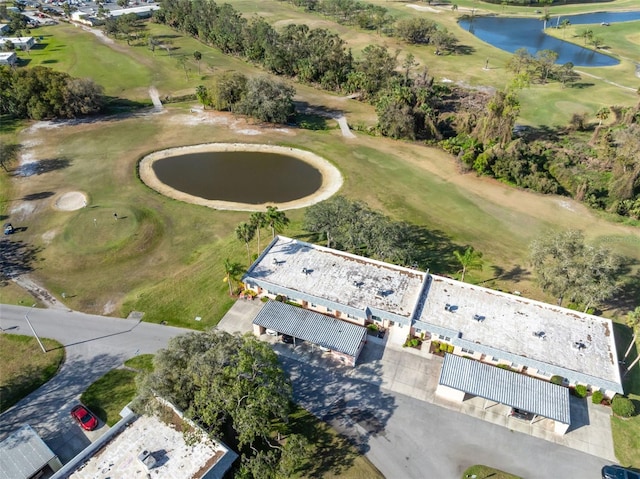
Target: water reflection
{"points": [[510, 34]]}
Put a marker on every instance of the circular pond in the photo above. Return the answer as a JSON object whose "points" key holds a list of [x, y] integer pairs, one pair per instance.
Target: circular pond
{"points": [[241, 176]]}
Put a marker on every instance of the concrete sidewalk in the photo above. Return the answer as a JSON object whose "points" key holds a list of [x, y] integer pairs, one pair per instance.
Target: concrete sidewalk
{"points": [[415, 373]]}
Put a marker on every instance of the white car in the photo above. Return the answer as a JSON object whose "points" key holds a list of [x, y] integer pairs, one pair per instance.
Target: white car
{"points": [[271, 332]]}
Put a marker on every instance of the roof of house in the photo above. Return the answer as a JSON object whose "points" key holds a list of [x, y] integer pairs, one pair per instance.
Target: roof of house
{"points": [[529, 329], [506, 387], [173, 457], [317, 328], [338, 278], [23, 454]]}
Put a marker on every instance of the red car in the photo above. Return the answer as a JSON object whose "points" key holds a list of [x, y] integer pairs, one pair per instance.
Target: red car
{"points": [[84, 417]]}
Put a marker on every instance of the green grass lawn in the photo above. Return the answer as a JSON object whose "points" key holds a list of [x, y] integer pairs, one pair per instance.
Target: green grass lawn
{"points": [[332, 456], [485, 472], [25, 367], [110, 394], [626, 431], [141, 363]]}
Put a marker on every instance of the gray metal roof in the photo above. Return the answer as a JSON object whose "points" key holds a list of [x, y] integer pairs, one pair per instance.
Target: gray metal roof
{"points": [[23, 454], [317, 328], [506, 387]]}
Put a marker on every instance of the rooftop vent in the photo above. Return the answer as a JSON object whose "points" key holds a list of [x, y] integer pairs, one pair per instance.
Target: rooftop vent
{"points": [[478, 317], [146, 458], [579, 345], [540, 334], [450, 307]]}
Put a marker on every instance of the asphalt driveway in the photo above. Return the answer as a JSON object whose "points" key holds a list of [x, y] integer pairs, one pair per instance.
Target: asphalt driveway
{"points": [[94, 345]]}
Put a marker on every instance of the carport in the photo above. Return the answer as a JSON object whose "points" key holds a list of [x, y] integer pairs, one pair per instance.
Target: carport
{"points": [[24, 454], [344, 340], [460, 376]]}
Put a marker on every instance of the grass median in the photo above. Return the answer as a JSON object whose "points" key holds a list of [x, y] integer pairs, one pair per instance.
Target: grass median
{"points": [[25, 367]]}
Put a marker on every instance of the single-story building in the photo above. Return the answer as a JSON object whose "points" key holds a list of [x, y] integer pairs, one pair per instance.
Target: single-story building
{"points": [[528, 336], [344, 340], [4, 27], [19, 43], [147, 446], [24, 455], [8, 58], [142, 12], [461, 376]]}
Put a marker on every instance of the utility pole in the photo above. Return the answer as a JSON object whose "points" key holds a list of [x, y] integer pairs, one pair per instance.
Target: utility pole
{"points": [[26, 316]]}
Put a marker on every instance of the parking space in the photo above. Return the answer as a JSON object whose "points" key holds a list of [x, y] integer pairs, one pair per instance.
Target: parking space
{"points": [[64, 436]]}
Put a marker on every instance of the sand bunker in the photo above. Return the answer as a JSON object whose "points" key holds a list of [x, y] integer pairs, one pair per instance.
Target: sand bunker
{"points": [[331, 177], [71, 201]]}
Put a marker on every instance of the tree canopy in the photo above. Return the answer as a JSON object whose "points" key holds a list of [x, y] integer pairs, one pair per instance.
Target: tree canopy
{"points": [[40, 93], [234, 387], [569, 268], [353, 226]]}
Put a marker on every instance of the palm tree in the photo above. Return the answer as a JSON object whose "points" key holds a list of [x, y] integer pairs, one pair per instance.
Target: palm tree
{"points": [[469, 259], [258, 220], [602, 114], [564, 24], [277, 220], [245, 232], [231, 270]]}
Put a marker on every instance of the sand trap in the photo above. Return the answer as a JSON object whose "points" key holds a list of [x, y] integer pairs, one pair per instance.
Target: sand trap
{"points": [[423, 9], [71, 201], [331, 177]]}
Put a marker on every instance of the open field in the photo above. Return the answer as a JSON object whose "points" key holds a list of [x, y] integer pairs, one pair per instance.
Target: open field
{"points": [[25, 367]]}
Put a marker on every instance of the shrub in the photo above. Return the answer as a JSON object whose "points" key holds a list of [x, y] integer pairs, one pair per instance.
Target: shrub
{"points": [[597, 397], [623, 406], [280, 298], [412, 342], [505, 366], [580, 391], [450, 348], [372, 327], [557, 380]]}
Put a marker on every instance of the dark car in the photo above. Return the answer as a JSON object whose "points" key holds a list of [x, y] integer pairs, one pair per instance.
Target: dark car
{"points": [[617, 472], [521, 414], [287, 339], [84, 417]]}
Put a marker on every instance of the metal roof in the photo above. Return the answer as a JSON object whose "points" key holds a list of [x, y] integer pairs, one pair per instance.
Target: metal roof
{"points": [[23, 454], [506, 387], [317, 328]]}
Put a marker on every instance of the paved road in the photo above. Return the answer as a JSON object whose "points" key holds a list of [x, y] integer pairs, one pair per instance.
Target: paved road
{"points": [[94, 345], [412, 439]]}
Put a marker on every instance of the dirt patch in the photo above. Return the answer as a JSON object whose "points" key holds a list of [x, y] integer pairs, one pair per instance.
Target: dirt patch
{"points": [[71, 201], [331, 177]]}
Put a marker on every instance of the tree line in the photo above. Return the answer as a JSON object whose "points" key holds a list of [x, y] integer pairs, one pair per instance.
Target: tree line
{"points": [[414, 30], [40, 93]]}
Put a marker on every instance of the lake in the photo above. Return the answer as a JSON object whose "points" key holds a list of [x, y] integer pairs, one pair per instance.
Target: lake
{"points": [[510, 34]]}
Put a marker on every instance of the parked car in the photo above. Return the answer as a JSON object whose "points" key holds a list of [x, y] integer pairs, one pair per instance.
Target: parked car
{"points": [[271, 332], [287, 339], [84, 417], [520, 414], [618, 472], [8, 228]]}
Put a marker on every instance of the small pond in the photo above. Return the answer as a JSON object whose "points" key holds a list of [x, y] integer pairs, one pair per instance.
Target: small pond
{"points": [[510, 34], [244, 177]]}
